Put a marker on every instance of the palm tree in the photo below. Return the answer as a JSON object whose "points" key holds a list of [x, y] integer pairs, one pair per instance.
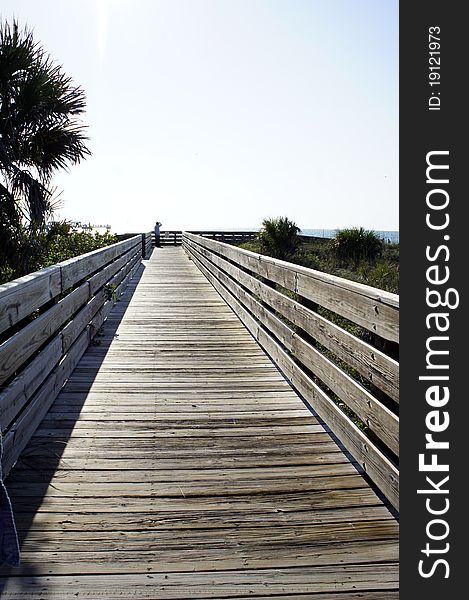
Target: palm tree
{"points": [[279, 237], [40, 132]]}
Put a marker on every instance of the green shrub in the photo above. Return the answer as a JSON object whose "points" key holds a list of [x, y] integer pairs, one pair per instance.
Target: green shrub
{"points": [[383, 275], [356, 244], [279, 238], [251, 245], [59, 243]]}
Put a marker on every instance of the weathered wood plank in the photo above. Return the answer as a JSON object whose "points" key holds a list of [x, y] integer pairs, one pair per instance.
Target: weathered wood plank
{"points": [[281, 503], [15, 396], [81, 320], [147, 244], [20, 433], [79, 268], [170, 560], [170, 541], [21, 297], [154, 522], [30, 477], [17, 349], [104, 275], [317, 579], [186, 489]]}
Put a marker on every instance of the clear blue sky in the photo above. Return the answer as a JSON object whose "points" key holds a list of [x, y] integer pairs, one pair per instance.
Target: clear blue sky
{"points": [[218, 113]]}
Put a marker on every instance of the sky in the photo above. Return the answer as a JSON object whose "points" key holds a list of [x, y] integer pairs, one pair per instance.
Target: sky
{"points": [[216, 114]]}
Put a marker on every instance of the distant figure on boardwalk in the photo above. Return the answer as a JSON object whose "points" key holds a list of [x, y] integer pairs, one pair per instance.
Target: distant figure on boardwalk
{"points": [[157, 234]]}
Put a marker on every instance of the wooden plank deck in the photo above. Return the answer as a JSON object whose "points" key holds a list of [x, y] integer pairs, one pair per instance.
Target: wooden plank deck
{"points": [[178, 463]]}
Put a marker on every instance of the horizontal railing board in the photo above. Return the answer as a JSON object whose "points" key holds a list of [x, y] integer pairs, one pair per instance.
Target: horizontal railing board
{"points": [[73, 329], [12, 446], [103, 312], [99, 318], [379, 468], [85, 316], [21, 297], [147, 244], [374, 309], [19, 435], [72, 320], [122, 276], [222, 232], [373, 364], [15, 396], [121, 280], [17, 349], [369, 409], [20, 390], [169, 237], [104, 275], [79, 268]]}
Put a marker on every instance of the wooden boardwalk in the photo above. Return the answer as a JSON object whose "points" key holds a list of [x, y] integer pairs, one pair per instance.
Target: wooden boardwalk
{"points": [[177, 462]]}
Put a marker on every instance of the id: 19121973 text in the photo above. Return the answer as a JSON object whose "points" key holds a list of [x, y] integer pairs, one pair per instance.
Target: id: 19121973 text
{"points": [[434, 66]]}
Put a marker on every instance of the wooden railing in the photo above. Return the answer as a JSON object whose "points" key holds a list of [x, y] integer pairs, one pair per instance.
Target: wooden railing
{"points": [[229, 237], [147, 244], [147, 241], [47, 320], [170, 238], [298, 317], [174, 238]]}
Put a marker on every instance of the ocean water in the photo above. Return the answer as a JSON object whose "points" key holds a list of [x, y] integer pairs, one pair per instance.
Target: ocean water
{"points": [[391, 237]]}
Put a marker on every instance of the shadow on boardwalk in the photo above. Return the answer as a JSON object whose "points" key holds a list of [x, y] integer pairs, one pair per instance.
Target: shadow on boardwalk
{"points": [[43, 455]]}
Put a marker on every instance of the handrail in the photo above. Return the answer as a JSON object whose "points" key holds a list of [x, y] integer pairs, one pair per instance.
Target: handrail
{"points": [[329, 366], [174, 237], [147, 244], [147, 241], [47, 320]]}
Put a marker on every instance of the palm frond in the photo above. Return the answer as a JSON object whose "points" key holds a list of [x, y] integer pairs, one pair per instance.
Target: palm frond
{"points": [[40, 130], [279, 237], [33, 194]]}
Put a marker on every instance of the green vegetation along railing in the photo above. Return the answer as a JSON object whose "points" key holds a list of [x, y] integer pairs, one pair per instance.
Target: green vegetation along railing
{"points": [[47, 320], [314, 326]]}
